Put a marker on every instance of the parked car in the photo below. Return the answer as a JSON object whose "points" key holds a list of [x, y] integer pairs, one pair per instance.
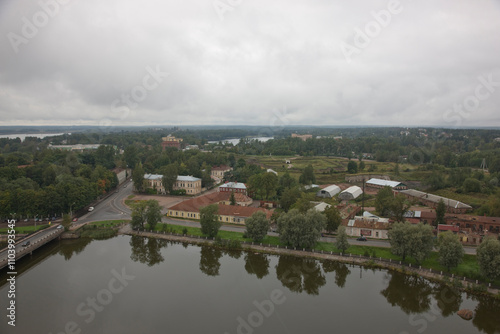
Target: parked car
{"points": [[361, 238], [26, 244], [75, 219], [91, 209], [60, 227]]}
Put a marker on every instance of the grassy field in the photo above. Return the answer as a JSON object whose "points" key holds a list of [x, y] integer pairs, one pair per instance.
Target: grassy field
{"points": [[25, 229], [323, 164], [469, 266]]}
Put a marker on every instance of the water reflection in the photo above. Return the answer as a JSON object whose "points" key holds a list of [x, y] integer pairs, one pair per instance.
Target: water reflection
{"points": [[235, 254], [448, 299], [410, 293], [73, 247], [147, 250], [257, 264], [300, 275], [341, 271], [486, 317], [209, 260]]}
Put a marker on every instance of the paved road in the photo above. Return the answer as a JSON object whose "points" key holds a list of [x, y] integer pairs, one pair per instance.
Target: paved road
{"points": [[112, 208], [32, 239], [352, 241]]}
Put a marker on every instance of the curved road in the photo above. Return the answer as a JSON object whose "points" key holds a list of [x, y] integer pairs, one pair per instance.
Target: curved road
{"points": [[114, 208]]}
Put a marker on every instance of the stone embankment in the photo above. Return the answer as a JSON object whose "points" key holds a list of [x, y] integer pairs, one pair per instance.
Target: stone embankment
{"points": [[374, 262]]}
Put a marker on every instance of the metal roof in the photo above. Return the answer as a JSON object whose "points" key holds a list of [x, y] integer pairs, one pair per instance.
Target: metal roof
{"points": [[435, 198], [179, 178], [332, 190], [187, 178], [235, 185], [355, 191], [383, 183], [153, 176]]}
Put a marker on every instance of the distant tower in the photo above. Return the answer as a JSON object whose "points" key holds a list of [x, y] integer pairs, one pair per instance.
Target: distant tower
{"points": [[483, 165]]}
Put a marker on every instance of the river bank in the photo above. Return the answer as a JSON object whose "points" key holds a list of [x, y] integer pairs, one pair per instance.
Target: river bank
{"points": [[461, 283]]}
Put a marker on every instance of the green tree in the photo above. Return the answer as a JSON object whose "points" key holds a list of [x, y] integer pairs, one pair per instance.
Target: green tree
{"points": [[362, 165], [436, 180], [399, 207], [472, 185], [287, 181], [257, 226], [342, 242], [411, 240], [451, 250], [488, 257], [301, 230], [307, 176], [209, 220], [138, 177], [288, 198], [269, 184], [139, 216], [170, 173], [130, 155], [232, 199], [66, 221], [153, 213], [303, 204], [440, 212], [383, 201], [352, 167], [333, 218]]}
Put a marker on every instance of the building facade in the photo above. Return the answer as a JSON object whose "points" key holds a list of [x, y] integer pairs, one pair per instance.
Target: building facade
{"points": [[218, 171], [233, 187], [170, 141], [191, 184]]}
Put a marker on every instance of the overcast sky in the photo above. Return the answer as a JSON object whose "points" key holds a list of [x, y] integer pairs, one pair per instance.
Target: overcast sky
{"points": [[253, 62]]}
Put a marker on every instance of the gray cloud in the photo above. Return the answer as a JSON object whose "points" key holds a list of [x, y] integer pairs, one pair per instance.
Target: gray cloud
{"points": [[263, 57]]}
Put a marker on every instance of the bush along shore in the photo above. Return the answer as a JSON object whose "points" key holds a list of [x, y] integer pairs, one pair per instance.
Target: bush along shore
{"points": [[100, 230], [363, 255]]}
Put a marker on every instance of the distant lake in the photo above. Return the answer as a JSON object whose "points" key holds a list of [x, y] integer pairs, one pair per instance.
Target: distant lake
{"points": [[23, 136], [235, 141]]}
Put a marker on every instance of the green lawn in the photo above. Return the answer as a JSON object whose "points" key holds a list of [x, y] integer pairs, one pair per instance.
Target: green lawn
{"points": [[468, 268], [108, 223], [25, 229]]}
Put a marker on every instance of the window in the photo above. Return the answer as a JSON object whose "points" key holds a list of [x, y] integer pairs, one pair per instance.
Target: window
{"points": [[376, 234]]}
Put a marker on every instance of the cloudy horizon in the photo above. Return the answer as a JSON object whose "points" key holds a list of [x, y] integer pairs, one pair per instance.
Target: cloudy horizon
{"points": [[236, 62]]}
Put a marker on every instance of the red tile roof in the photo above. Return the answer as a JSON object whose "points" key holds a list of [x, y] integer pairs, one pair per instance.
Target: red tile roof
{"points": [[195, 204]]}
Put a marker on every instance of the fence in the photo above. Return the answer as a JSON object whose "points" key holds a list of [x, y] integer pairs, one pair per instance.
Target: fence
{"points": [[368, 258]]}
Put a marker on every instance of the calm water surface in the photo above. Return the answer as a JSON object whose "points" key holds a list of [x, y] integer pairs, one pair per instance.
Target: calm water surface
{"points": [[136, 285]]}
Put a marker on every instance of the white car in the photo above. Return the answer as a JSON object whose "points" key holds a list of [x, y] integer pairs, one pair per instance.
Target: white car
{"points": [[91, 208]]}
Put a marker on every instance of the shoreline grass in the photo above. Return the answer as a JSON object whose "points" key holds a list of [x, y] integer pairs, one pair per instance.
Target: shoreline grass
{"points": [[468, 268]]}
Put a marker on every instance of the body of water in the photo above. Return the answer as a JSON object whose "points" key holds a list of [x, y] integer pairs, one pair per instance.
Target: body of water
{"points": [[235, 141], [23, 136], [139, 285]]}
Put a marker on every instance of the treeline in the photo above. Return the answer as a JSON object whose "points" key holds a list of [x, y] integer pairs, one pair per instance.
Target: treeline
{"points": [[51, 182]]}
